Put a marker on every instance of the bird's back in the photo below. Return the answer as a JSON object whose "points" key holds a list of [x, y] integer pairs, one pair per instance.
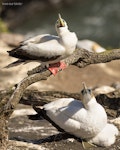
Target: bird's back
{"points": [[38, 47], [63, 111]]}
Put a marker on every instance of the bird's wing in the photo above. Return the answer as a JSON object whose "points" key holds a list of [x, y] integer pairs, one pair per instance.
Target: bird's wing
{"points": [[15, 63], [46, 47], [36, 39], [66, 116], [57, 104]]}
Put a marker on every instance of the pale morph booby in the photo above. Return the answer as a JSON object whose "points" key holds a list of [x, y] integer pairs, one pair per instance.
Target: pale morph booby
{"points": [[46, 48], [91, 46]]}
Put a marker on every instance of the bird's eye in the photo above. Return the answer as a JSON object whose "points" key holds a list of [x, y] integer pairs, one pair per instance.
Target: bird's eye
{"points": [[90, 90], [83, 92]]}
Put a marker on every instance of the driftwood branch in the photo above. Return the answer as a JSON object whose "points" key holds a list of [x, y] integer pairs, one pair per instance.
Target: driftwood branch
{"points": [[86, 58], [80, 58], [37, 98], [110, 101]]}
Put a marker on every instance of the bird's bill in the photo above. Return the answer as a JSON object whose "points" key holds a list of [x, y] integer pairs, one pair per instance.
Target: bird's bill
{"points": [[84, 86], [61, 21], [86, 90]]}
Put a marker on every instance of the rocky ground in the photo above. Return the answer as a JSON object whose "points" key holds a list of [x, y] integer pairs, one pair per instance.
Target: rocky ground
{"points": [[32, 134]]}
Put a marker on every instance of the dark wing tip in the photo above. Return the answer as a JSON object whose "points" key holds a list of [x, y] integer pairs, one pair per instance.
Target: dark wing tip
{"points": [[8, 51], [13, 52]]}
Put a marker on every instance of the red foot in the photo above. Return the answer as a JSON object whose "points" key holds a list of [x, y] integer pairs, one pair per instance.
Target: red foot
{"points": [[54, 68]]}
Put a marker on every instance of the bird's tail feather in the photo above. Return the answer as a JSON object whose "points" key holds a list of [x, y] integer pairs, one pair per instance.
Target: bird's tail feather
{"points": [[15, 63]]}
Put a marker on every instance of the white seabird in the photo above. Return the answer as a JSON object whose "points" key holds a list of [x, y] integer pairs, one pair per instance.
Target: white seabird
{"points": [[106, 137], [86, 120], [47, 49], [91, 46]]}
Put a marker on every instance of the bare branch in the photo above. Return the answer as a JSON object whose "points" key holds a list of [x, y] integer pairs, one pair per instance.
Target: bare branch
{"points": [[80, 58], [17, 94], [35, 97], [110, 101], [85, 57]]}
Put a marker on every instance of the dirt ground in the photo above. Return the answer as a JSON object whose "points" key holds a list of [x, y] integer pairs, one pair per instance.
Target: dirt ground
{"points": [[40, 133], [23, 129]]}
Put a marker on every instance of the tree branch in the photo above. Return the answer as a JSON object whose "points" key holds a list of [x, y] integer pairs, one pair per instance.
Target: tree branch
{"points": [[17, 94], [80, 58], [110, 101], [85, 57]]}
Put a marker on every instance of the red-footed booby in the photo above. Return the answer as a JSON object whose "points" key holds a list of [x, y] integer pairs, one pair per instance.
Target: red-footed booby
{"points": [[47, 49]]}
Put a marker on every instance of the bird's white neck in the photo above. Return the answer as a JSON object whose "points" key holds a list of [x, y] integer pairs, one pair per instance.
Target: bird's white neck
{"points": [[89, 104], [67, 39], [62, 31]]}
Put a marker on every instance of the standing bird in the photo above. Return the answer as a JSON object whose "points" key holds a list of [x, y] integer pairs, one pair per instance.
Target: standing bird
{"points": [[47, 49], [86, 120]]}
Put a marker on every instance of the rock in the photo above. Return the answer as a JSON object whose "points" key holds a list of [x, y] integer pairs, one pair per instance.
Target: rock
{"points": [[116, 85], [116, 122], [103, 90], [11, 39]]}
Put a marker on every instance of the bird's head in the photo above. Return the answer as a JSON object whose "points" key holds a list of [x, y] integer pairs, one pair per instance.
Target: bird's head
{"points": [[60, 23], [86, 95]]}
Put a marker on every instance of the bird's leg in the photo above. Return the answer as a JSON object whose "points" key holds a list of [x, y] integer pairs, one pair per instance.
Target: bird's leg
{"points": [[62, 65], [87, 144], [54, 68]]}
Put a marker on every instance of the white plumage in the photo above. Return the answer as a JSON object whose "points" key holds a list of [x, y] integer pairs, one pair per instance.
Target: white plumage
{"points": [[46, 48], [73, 117], [86, 119], [83, 120], [91, 46], [106, 137]]}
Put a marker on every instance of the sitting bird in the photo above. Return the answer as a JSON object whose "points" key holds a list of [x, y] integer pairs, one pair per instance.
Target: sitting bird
{"points": [[83, 119], [47, 49], [86, 120], [91, 46]]}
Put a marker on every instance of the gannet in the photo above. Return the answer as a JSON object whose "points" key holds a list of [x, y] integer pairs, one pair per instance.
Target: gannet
{"points": [[84, 119], [106, 137], [47, 49], [91, 46], [103, 89]]}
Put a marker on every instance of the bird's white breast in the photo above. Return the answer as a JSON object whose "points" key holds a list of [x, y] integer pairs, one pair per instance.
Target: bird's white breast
{"points": [[69, 40]]}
